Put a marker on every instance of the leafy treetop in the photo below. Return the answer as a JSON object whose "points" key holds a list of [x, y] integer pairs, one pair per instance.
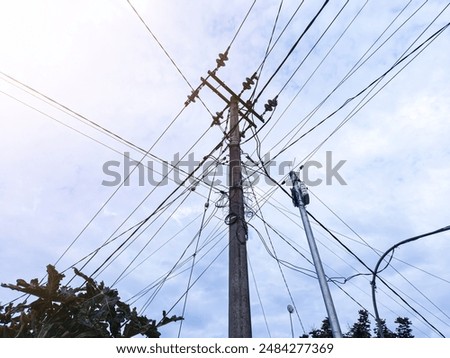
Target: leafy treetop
{"points": [[361, 328], [91, 310]]}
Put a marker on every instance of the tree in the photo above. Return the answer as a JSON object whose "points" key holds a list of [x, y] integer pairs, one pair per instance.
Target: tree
{"points": [[387, 333], [91, 310], [403, 329], [361, 329], [324, 331]]}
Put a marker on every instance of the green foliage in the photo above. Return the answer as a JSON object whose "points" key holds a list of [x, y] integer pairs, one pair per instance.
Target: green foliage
{"points": [[92, 310]]}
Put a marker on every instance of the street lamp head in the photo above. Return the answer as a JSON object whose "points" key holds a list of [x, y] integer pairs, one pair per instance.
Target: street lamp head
{"points": [[290, 309]]}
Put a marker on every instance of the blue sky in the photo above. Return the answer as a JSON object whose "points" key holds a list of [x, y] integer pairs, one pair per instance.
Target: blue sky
{"points": [[99, 60]]}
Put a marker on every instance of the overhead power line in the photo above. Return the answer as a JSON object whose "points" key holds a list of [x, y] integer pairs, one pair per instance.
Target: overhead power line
{"points": [[363, 59], [96, 126], [400, 61], [291, 50], [159, 44]]}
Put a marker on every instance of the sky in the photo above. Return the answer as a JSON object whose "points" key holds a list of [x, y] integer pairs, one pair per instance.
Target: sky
{"points": [[89, 86]]}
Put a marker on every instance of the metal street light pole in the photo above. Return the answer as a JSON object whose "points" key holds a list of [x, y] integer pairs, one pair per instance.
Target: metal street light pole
{"points": [[291, 311], [300, 198], [380, 332]]}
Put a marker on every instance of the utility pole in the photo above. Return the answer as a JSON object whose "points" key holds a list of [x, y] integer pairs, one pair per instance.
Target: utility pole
{"points": [[300, 198], [238, 295], [239, 319]]}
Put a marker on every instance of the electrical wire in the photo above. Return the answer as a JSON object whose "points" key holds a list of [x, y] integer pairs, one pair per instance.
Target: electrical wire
{"points": [[394, 291], [375, 273], [170, 273], [159, 44], [242, 23], [279, 265], [259, 297], [313, 73], [199, 235], [361, 104], [271, 47], [178, 233], [389, 286], [261, 67], [313, 47], [363, 59], [188, 190], [78, 116], [199, 276], [371, 86], [272, 253], [159, 206], [388, 263], [216, 235], [291, 50]]}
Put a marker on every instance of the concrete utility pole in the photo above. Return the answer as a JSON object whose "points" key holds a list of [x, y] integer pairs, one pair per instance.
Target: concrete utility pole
{"points": [[300, 197], [239, 298], [239, 321]]}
